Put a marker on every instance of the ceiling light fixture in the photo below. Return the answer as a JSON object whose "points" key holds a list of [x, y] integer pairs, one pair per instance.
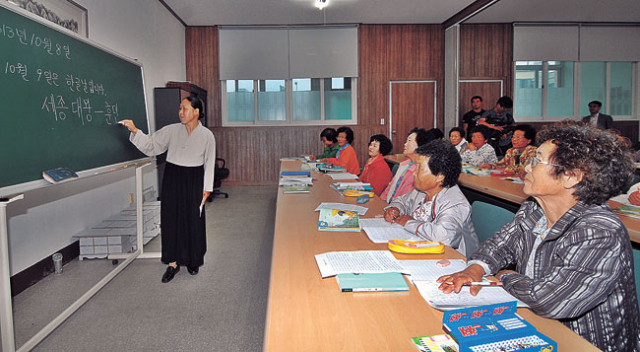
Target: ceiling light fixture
{"points": [[321, 4]]}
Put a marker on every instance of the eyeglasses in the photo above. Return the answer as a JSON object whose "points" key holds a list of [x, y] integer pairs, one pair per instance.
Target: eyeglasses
{"points": [[533, 161]]}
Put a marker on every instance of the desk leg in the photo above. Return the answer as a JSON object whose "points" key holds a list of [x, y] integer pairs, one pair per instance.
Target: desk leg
{"points": [[6, 317]]}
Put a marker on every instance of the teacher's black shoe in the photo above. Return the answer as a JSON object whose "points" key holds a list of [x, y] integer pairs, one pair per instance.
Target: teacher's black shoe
{"points": [[193, 270], [170, 273]]}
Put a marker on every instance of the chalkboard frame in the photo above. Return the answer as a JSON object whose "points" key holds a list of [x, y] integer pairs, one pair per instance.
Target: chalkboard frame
{"points": [[9, 190]]}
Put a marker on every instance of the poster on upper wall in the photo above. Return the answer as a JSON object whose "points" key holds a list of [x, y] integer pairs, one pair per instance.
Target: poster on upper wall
{"points": [[64, 13]]}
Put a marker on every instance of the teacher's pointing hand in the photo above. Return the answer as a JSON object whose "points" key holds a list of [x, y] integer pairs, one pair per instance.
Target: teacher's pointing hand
{"points": [[129, 125]]}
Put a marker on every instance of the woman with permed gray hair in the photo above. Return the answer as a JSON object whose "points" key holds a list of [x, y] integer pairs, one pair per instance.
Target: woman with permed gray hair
{"points": [[436, 210], [572, 255], [376, 171]]}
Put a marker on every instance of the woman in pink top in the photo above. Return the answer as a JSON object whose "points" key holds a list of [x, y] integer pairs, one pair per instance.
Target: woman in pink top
{"points": [[402, 182]]}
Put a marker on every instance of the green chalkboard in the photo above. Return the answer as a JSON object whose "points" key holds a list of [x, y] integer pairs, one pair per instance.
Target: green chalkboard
{"points": [[61, 98]]}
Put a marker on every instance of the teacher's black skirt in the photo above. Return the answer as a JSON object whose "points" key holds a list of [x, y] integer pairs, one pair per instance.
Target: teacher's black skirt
{"points": [[184, 238]]}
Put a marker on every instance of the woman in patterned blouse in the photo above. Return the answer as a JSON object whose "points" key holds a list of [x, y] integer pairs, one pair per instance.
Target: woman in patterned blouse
{"points": [[479, 151], [523, 140]]}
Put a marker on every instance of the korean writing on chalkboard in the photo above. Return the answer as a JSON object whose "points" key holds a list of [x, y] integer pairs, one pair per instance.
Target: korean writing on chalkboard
{"points": [[56, 105], [81, 85], [50, 77], [80, 108], [35, 40], [18, 68]]}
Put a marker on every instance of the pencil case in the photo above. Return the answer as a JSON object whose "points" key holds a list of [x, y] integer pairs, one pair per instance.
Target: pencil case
{"points": [[417, 247]]}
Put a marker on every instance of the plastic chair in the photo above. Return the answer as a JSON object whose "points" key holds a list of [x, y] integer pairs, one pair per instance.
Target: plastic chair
{"points": [[488, 219]]}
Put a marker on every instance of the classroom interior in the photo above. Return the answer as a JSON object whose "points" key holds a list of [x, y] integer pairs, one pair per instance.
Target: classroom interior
{"points": [[445, 51]]}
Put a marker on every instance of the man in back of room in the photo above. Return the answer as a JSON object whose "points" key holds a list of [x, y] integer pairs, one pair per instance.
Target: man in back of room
{"points": [[471, 118], [597, 119]]}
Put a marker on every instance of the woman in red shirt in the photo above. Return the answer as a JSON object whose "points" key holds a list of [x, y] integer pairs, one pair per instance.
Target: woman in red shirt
{"points": [[346, 156], [376, 170]]}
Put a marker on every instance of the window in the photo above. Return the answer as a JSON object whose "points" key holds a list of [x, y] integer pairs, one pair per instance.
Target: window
{"points": [[544, 89], [271, 100], [240, 101], [306, 99], [298, 101], [337, 98], [552, 89]]}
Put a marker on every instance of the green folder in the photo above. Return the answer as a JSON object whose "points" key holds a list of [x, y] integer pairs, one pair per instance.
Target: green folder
{"points": [[372, 282]]}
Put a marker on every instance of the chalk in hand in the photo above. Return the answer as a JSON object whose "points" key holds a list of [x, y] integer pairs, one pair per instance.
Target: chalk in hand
{"points": [[121, 122]]}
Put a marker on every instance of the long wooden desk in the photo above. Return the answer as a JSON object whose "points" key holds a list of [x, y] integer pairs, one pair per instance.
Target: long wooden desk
{"points": [[512, 192], [306, 312]]}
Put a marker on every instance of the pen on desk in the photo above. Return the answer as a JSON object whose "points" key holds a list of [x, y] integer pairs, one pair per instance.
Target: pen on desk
{"points": [[483, 283]]}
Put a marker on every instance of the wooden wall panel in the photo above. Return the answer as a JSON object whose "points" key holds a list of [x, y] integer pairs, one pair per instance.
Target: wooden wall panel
{"points": [[486, 52], [201, 47], [373, 80]]}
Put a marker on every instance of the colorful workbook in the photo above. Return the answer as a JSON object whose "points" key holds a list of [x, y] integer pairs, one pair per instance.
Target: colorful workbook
{"points": [[435, 343], [338, 220], [372, 282], [494, 327], [330, 168], [628, 210], [295, 188]]}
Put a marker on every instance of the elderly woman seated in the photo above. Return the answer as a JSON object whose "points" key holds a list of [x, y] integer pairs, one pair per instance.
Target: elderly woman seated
{"points": [[479, 152], [402, 182], [346, 155], [436, 210], [456, 137], [571, 254], [376, 171], [523, 140]]}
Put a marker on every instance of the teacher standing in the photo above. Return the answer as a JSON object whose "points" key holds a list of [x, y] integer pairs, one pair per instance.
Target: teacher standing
{"points": [[187, 183]]}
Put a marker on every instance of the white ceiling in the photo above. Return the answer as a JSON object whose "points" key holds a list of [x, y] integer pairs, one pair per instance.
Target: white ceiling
{"points": [[560, 11], [293, 12], [300, 12]]}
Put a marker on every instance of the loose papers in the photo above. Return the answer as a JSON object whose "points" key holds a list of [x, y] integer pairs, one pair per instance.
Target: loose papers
{"points": [[424, 274], [342, 206], [333, 263], [381, 231], [343, 176]]}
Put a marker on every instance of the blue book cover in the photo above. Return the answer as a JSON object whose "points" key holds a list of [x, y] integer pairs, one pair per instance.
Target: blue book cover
{"points": [[494, 327], [372, 282], [58, 175], [295, 173]]}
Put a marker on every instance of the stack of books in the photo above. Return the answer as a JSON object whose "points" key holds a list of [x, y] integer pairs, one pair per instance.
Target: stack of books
{"points": [[295, 181]]}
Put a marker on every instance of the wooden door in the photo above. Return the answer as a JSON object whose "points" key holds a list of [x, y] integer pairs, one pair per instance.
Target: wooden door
{"points": [[489, 90], [413, 104]]}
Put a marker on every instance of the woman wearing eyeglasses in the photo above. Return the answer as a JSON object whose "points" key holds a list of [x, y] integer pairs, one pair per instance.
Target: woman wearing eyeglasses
{"points": [[572, 255], [523, 141]]}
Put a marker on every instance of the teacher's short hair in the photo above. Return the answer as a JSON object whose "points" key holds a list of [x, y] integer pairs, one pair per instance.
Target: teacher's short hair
{"points": [[196, 103]]}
